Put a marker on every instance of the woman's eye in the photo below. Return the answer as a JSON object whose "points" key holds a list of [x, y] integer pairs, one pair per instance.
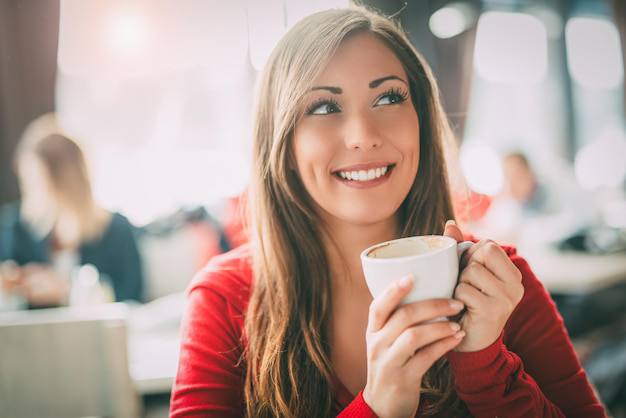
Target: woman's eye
{"points": [[324, 108], [391, 97]]}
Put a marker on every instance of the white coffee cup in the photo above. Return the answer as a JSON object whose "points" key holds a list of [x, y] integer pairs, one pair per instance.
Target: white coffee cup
{"points": [[433, 261]]}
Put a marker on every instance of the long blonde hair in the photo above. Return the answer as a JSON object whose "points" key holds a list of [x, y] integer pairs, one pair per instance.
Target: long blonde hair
{"points": [[65, 175], [288, 371]]}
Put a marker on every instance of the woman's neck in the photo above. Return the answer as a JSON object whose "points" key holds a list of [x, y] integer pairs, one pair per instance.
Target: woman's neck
{"points": [[348, 241]]}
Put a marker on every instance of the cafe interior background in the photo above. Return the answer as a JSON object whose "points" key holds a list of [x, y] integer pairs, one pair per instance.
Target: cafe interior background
{"points": [[160, 93]]}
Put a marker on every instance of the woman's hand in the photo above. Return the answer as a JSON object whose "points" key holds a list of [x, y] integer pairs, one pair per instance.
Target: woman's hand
{"points": [[490, 285], [401, 347], [42, 286], [11, 277]]}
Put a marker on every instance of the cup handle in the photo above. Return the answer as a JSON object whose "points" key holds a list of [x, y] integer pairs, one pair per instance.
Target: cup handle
{"points": [[461, 247]]}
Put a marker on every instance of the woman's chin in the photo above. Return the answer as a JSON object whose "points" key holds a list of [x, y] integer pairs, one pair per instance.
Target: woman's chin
{"points": [[365, 215]]}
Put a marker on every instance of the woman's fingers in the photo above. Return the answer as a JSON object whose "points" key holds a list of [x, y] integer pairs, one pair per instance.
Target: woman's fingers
{"points": [[452, 230], [492, 256], [383, 306], [470, 296], [416, 337], [419, 364], [416, 313], [482, 279]]}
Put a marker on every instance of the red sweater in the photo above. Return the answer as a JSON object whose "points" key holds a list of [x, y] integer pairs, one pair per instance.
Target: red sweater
{"points": [[531, 371]]}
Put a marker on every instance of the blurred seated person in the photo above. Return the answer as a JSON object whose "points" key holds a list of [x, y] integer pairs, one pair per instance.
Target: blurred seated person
{"points": [[522, 184], [57, 226], [535, 206]]}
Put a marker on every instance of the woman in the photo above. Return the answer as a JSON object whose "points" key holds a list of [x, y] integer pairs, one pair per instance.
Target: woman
{"points": [[57, 225], [348, 153]]}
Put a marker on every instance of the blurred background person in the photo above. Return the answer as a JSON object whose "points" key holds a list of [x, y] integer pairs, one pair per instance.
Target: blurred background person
{"points": [[522, 184], [533, 206], [57, 226]]}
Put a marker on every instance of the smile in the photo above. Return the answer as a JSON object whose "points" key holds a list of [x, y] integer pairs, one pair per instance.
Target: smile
{"points": [[365, 178]]}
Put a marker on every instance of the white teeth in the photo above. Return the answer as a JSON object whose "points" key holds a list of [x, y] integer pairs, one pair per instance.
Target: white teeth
{"points": [[363, 175]]}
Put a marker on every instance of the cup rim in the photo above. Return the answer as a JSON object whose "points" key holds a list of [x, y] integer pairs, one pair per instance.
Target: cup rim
{"points": [[364, 254]]}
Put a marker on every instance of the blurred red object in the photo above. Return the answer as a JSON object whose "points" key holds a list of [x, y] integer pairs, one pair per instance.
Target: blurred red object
{"points": [[470, 206], [207, 241], [234, 221]]}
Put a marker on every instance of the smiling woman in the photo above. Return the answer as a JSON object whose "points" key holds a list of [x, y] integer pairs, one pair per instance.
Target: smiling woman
{"points": [[347, 153]]}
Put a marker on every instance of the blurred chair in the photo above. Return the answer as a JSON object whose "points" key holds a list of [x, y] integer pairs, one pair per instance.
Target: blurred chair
{"points": [[174, 247], [66, 362]]}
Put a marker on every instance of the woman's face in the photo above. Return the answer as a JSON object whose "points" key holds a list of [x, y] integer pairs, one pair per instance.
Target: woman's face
{"points": [[357, 145]]}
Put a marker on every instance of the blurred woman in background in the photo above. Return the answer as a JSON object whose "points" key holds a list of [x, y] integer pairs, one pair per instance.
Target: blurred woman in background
{"points": [[58, 226]]}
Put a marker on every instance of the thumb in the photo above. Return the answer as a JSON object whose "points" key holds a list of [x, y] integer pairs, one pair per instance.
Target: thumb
{"points": [[452, 230]]}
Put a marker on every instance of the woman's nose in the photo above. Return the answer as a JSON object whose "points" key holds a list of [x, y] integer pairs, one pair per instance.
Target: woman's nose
{"points": [[361, 133]]}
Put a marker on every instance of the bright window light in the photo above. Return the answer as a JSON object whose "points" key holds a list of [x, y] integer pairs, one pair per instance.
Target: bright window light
{"points": [[511, 48], [121, 39], [268, 21], [602, 162], [482, 169], [614, 214], [159, 92], [148, 183], [594, 55], [551, 19], [298, 9], [127, 32], [266, 25], [451, 20]]}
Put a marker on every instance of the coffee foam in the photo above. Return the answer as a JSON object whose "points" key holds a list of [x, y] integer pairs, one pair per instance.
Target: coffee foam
{"points": [[407, 247], [433, 243]]}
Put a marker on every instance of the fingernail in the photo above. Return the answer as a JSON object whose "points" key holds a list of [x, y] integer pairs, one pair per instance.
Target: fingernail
{"points": [[450, 222], [455, 326], [459, 335], [406, 281], [456, 305]]}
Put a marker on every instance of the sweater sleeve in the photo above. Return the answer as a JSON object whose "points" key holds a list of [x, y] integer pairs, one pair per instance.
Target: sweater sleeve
{"points": [[358, 408], [208, 382], [531, 370]]}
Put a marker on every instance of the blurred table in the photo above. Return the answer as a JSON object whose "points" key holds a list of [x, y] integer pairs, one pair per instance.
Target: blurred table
{"points": [[153, 344], [153, 361], [574, 272]]}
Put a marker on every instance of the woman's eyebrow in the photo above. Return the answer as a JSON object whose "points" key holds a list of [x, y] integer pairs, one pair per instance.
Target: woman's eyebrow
{"points": [[333, 90], [373, 84], [379, 81]]}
